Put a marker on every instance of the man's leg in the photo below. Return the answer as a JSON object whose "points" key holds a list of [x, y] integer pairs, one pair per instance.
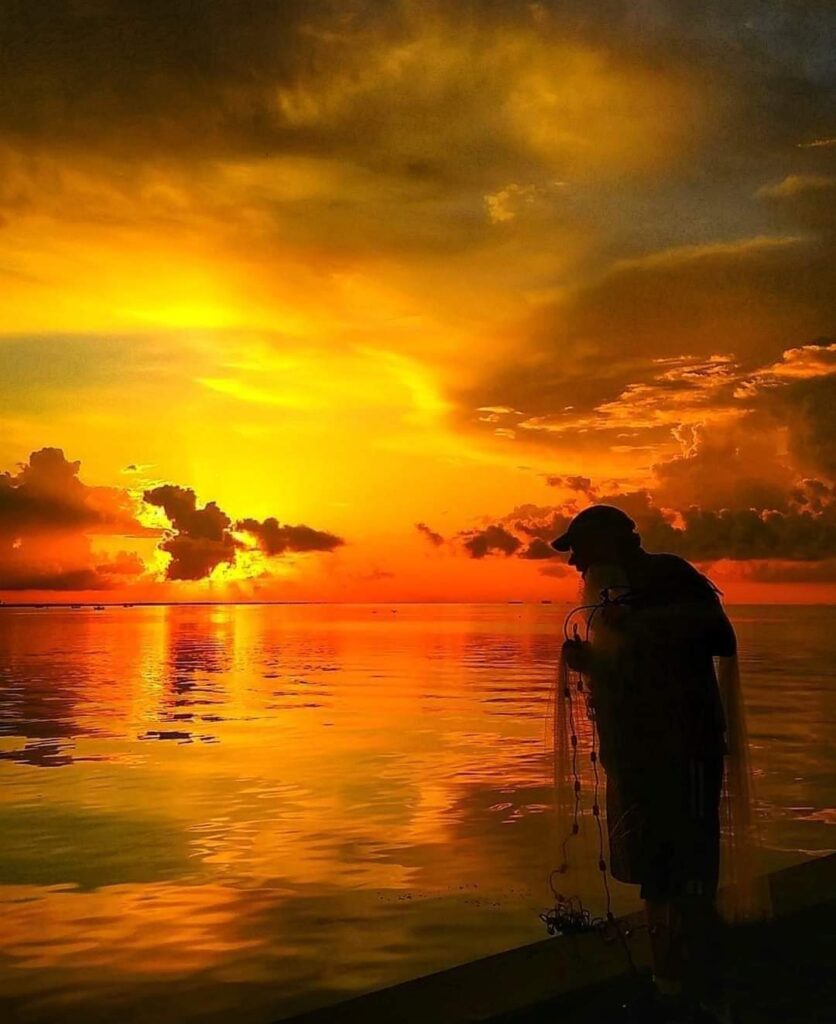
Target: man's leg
{"points": [[704, 938], [704, 933], [665, 924]]}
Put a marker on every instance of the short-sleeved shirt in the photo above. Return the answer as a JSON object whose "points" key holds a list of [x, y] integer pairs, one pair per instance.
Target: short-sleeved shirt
{"points": [[661, 729], [658, 698]]}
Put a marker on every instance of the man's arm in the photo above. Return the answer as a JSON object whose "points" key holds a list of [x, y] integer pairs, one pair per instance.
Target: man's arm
{"points": [[683, 621], [678, 604]]}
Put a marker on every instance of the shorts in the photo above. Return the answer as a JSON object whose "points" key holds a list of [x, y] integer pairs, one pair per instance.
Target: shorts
{"points": [[664, 827]]}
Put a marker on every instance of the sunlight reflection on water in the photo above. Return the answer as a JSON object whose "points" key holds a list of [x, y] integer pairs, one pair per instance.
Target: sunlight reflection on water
{"points": [[263, 809]]}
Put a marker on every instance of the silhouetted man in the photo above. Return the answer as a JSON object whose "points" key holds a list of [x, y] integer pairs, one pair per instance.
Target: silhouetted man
{"points": [[661, 731]]}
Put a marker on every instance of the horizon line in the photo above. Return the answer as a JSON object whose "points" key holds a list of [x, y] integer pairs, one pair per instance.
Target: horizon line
{"points": [[102, 605]]}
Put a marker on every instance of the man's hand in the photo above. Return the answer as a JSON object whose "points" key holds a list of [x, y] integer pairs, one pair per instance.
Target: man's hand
{"points": [[577, 654]]}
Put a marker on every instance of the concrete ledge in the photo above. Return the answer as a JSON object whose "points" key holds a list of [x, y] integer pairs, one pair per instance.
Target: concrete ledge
{"points": [[508, 982], [803, 885]]}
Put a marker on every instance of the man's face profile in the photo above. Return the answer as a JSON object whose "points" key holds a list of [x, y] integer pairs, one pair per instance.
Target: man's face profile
{"points": [[583, 553]]}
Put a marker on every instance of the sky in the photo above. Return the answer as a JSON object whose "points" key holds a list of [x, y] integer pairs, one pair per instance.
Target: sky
{"points": [[359, 301]]}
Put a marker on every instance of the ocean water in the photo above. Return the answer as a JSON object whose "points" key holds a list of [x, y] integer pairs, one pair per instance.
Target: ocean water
{"points": [[256, 810]]}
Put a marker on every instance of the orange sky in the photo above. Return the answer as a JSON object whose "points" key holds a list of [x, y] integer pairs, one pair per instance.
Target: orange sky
{"points": [[359, 267]]}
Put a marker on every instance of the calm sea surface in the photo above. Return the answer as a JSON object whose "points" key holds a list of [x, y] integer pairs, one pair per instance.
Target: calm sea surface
{"points": [[243, 812]]}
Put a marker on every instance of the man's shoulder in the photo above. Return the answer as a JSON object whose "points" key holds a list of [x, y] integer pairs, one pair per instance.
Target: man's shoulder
{"points": [[665, 561], [667, 568]]}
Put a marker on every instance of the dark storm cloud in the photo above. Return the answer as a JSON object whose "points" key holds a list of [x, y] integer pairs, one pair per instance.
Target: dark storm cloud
{"points": [[814, 495], [747, 299], [47, 517], [434, 538], [734, 466], [224, 77], [801, 530], [653, 523], [537, 549], [493, 538], [573, 483], [538, 521], [22, 570], [180, 505], [275, 539], [741, 533], [735, 534], [413, 115], [808, 407], [791, 572], [154, 75], [536, 524], [532, 523], [46, 494], [200, 539], [797, 396], [746, 534], [750, 290]]}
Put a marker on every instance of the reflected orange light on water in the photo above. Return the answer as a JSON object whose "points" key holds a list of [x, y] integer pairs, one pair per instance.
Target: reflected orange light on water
{"points": [[306, 801]]}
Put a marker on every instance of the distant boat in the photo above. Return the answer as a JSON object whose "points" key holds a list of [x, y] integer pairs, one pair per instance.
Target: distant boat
{"points": [[98, 608], [545, 600], [516, 602]]}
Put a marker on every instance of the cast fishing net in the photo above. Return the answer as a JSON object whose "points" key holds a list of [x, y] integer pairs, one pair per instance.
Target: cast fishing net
{"points": [[582, 714]]}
